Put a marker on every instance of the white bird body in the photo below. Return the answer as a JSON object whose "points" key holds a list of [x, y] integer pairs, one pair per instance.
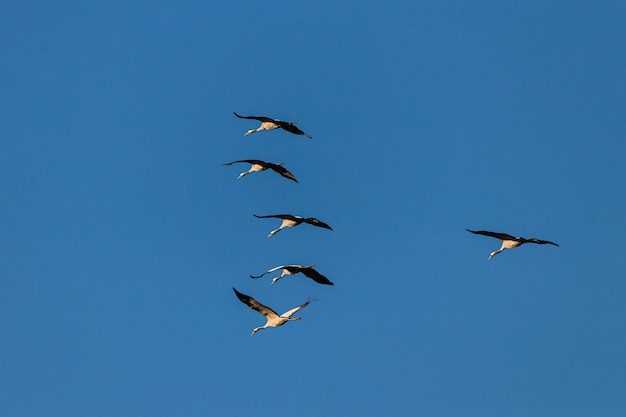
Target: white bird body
{"points": [[285, 223], [264, 126], [253, 168], [273, 318]]}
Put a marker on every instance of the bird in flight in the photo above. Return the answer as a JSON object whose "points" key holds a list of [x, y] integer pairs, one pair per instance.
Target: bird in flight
{"points": [[291, 221], [257, 165], [508, 241], [267, 123], [307, 271], [273, 318]]}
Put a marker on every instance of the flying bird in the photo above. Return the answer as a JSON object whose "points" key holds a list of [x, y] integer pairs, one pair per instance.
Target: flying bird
{"points": [[508, 241], [307, 271], [273, 318], [291, 221], [267, 123], [257, 165]]}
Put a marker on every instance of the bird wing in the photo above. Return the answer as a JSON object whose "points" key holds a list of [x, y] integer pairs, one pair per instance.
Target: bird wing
{"points": [[315, 222], [295, 310], [282, 171], [501, 236], [259, 118], [292, 128], [279, 216], [249, 161], [270, 271], [255, 305], [540, 242], [316, 276]]}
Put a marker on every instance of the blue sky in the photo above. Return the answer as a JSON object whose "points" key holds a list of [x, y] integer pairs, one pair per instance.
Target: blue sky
{"points": [[123, 233]]}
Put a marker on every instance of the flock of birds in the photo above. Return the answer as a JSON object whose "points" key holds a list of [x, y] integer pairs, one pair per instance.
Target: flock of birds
{"points": [[288, 220], [273, 319]]}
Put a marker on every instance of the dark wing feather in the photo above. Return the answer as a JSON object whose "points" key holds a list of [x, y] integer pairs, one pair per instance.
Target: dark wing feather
{"points": [[249, 161], [316, 276], [292, 128], [283, 171], [278, 216], [315, 222], [254, 304], [259, 118], [501, 236], [540, 242]]}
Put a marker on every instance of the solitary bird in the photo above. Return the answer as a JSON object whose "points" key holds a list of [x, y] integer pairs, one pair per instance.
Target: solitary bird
{"points": [[307, 271], [273, 318], [508, 241], [257, 165], [267, 123], [291, 221]]}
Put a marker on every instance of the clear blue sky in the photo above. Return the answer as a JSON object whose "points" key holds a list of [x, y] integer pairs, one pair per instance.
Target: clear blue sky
{"points": [[122, 233]]}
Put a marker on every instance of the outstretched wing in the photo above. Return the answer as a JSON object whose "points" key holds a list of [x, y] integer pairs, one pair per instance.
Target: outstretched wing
{"points": [[540, 242], [295, 310], [292, 128], [309, 272], [278, 216], [255, 305], [249, 161], [269, 271], [259, 118], [315, 222], [501, 236], [282, 171]]}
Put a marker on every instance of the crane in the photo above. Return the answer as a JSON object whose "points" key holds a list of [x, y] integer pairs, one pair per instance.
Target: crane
{"points": [[273, 318], [256, 165], [508, 241], [307, 271], [267, 123], [291, 221]]}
